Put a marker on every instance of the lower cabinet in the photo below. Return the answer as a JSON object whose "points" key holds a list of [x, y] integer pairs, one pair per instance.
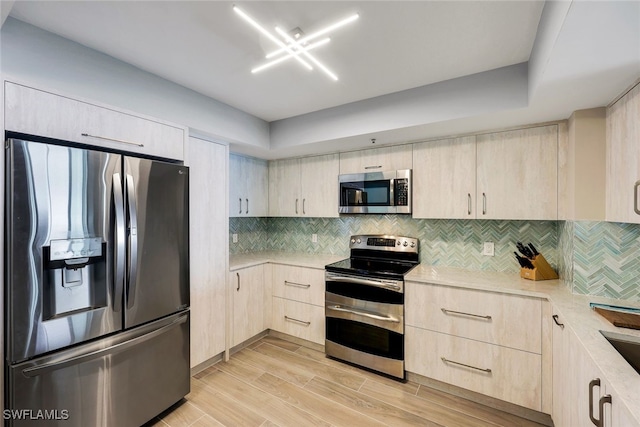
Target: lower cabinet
{"points": [[247, 296], [504, 373], [486, 342], [298, 302], [579, 388], [298, 319]]}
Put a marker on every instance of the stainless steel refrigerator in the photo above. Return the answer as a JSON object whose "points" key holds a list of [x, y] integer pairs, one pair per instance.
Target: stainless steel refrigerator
{"points": [[97, 285]]}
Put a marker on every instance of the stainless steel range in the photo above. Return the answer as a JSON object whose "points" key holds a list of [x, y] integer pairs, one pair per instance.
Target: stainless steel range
{"points": [[364, 302]]}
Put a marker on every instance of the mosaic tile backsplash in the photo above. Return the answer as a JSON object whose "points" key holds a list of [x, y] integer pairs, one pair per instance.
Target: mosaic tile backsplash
{"points": [[606, 259], [455, 243], [592, 257]]}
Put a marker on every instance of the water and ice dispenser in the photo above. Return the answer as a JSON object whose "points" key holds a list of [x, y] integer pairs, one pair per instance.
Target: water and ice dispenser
{"points": [[75, 276]]}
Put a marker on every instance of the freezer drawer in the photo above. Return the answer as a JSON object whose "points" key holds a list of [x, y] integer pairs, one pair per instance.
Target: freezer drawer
{"points": [[124, 380]]}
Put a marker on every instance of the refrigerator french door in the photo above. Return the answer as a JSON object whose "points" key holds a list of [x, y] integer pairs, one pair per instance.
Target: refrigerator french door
{"points": [[97, 285]]}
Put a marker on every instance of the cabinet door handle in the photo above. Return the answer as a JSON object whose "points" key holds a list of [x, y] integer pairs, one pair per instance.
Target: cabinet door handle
{"points": [[373, 167], [593, 383], [603, 400], [445, 360], [461, 313], [238, 276], [291, 319], [247, 206], [555, 319], [635, 197], [484, 203], [240, 211], [300, 285], [468, 203], [304, 212], [296, 206], [121, 141]]}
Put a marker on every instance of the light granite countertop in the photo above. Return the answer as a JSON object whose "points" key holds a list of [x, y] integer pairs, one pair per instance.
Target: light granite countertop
{"points": [[573, 309], [237, 262]]}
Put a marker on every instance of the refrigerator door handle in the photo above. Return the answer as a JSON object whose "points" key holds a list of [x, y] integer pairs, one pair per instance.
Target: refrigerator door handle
{"points": [[119, 242], [133, 241], [114, 349]]}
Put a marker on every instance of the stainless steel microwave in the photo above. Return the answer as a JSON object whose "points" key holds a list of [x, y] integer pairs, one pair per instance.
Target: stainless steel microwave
{"points": [[375, 192]]}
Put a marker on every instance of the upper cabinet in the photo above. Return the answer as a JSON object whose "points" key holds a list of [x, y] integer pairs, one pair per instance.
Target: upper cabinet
{"points": [[623, 159], [444, 178], [304, 187], [377, 159], [36, 112], [517, 174], [502, 175], [248, 187]]}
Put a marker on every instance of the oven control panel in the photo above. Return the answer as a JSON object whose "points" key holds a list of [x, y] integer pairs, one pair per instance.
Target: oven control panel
{"points": [[384, 242]]}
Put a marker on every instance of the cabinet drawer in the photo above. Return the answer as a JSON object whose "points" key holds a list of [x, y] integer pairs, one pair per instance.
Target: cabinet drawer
{"points": [[507, 320], [515, 375], [299, 284], [301, 320], [40, 113]]}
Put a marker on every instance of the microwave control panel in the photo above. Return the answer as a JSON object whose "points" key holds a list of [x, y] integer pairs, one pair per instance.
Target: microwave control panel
{"points": [[402, 192]]}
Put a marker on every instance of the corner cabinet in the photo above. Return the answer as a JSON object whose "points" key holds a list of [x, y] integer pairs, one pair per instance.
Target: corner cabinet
{"points": [[623, 159], [579, 388], [306, 187], [247, 303], [208, 248], [42, 113], [248, 187]]}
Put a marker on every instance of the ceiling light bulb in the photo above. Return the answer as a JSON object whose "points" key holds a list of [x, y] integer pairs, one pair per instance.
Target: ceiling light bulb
{"points": [[288, 56], [270, 36], [323, 31], [305, 53]]}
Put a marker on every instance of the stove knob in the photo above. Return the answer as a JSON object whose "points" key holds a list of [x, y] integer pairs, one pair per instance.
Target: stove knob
{"points": [[413, 244], [358, 241], [398, 242], [353, 241], [405, 243]]}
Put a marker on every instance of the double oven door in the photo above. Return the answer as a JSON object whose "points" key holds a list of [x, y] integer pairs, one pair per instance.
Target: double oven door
{"points": [[365, 321]]}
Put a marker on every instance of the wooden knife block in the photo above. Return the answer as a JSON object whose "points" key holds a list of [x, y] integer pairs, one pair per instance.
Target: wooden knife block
{"points": [[541, 271]]}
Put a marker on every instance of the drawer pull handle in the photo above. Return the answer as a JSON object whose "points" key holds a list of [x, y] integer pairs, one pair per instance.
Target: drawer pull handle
{"points": [[113, 139], [593, 383], [555, 319], [460, 313], [635, 197], [302, 322], [373, 167], [445, 360], [300, 285]]}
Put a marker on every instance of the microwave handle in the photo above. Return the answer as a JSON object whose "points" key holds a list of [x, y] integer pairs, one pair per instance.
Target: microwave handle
{"points": [[392, 192]]}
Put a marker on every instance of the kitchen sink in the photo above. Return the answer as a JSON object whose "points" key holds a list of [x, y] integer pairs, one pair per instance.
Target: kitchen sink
{"points": [[627, 345]]}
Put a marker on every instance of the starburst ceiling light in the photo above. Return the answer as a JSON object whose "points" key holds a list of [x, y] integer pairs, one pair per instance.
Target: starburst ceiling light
{"points": [[297, 46]]}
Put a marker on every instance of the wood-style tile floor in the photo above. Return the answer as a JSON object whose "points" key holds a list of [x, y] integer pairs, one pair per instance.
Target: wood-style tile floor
{"points": [[277, 383]]}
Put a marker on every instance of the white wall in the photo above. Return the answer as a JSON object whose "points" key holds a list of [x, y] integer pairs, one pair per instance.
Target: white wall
{"points": [[44, 59]]}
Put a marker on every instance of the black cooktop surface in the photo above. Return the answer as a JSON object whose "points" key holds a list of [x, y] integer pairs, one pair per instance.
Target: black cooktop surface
{"points": [[372, 267]]}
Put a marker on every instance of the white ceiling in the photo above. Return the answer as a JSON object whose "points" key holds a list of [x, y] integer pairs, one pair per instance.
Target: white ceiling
{"points": [[205, 46]]}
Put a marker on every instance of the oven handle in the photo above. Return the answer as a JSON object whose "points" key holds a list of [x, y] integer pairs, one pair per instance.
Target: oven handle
{"points": [[369, 314], [385, 284]]}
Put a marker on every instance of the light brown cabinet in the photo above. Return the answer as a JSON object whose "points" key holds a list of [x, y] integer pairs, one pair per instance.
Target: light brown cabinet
{"points": [[248, 303], [304, 187], [248, 187], [377, 159], [37, 112], [480, 341], [623, 159]]}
